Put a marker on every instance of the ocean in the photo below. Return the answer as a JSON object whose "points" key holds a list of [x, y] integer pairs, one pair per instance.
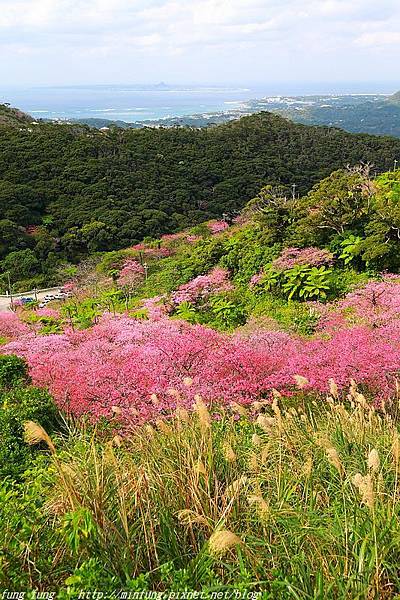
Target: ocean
{"points": [[141, 102]]}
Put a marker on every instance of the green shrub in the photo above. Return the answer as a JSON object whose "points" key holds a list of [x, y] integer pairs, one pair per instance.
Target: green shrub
{"points": [[17, 406], [294, 316], [29, 540], [13, 371]]}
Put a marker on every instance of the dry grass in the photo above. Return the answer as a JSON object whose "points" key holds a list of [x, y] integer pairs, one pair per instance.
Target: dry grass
{"points": [[302, 502]]}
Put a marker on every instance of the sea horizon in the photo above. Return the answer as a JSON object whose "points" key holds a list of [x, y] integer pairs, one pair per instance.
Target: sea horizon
{"points": [[141, 102]]}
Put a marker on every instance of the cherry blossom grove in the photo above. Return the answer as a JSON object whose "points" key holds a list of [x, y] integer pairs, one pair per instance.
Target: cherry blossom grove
{"points": [[147, 367]]}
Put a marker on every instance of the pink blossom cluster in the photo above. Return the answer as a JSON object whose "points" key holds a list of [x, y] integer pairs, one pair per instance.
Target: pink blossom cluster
{"points": [[131, 272], [201, 287], [147, 367], [143, 367], [255, 280], [375, 304], [148, 251], [156, 307], [158, 252], [17, 303], [217, 226], [69, 286], [172, 237], [291, 257], [11, 327], [49, 313]]}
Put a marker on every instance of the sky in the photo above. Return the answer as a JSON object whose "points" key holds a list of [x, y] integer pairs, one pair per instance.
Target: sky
{"points": [[58, 42]]}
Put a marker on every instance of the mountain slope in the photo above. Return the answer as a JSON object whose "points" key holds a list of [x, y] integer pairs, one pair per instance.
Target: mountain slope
{"points": [[13, 116], [395, 98], [90, 190]]}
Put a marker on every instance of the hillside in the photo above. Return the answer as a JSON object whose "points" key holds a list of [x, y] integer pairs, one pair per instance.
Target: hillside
{"points": [[214, 410], [395, 98], [68, 190], [13, 116], [374, 114]]}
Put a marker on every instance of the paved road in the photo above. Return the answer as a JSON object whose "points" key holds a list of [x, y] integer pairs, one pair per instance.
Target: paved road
{"points": [[5, 300]]}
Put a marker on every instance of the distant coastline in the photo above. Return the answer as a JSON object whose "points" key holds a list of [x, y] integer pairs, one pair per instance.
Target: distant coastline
{"points": [[159, 102]]}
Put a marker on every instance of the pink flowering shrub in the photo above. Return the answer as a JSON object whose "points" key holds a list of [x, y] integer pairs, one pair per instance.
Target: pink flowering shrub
{"points": [[131, 273], [217, 226], [69, 286], [172, 237], [48, 313], [156, 307], [256, 279], [11, 327], [147, 367], [375, 304], [143, 366], [122, 362], [158, 252], [201, 287], [291, 257], [149, 252]]}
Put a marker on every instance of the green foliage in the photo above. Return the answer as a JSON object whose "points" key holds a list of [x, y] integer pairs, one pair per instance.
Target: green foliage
{"points": [[227, 312], [351, 247], [79, 527], [20, 403], [270, 281], [85, 191], [21, 264], [382, 233], [344, 280], [301, 282], [187, 311], [294, 316], [26, 532], [306, 282], [338, 203], [247, 251], [13, 371]]}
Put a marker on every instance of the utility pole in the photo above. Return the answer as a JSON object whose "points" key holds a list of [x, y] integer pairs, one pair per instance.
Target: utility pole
{"points": [[9, 289], [146, 268], [395, 164], [294, 191]]}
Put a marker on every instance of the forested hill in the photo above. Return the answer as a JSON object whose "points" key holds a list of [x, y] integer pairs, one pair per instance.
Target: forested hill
{"points": [[93, 190], [13, 116]]}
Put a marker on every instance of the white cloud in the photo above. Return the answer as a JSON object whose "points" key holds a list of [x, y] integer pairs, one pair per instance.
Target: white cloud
{"points": [[305, 37], [378, 38]]}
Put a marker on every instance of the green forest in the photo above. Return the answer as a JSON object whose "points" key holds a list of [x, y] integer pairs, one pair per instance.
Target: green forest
{"points": [[67, 191]]}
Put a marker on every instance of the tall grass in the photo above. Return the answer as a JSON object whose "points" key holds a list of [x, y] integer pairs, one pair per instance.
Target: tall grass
{"points": [[297, 501]]}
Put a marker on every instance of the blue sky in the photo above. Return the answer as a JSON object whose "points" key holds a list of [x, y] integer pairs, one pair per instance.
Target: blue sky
{"points": [[55, 42]]}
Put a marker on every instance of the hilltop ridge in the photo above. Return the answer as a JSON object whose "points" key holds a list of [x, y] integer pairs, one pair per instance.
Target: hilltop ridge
{"points": [[13, 116]]}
